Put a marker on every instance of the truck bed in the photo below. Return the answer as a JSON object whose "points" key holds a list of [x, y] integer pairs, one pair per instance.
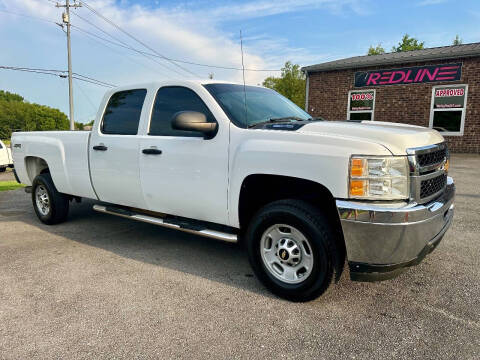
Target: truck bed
{"points": [[65, 152]]}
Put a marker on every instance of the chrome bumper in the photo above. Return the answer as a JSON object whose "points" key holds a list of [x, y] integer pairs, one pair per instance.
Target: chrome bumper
{"points": [[389, 235]]}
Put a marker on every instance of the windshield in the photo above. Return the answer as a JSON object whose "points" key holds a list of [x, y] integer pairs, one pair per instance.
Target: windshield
{"points": [[262, 104]]}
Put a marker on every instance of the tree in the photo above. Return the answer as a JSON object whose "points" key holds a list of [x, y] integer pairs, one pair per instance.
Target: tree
{"points": [[18, 114], [407, 44], [290, 84], [457, 40], [378, 50]]}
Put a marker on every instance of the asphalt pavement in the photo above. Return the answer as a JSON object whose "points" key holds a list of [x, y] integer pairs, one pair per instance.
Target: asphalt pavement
{"points": [[103, 287]]}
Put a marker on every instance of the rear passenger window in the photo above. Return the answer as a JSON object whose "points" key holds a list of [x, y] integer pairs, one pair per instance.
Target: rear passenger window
{"points": [[169, 101], [122, 114]]}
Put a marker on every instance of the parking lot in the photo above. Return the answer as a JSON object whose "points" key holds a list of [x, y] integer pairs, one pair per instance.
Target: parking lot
{"points": [[99, 286]]}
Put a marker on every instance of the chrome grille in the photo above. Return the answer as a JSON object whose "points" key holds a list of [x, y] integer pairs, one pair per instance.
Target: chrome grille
{"points": [[432, 158], [432, 186], [428, 178]]}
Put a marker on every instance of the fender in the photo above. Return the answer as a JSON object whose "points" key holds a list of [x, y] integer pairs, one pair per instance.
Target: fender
{"points": [[288, 153]]}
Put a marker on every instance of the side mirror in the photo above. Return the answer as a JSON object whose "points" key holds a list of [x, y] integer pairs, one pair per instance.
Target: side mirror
{"points": [[193, 121]]}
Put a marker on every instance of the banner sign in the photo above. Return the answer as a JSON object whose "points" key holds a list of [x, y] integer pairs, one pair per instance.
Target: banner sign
{"points": [[449, 97], [362, 100], [411, 75]]}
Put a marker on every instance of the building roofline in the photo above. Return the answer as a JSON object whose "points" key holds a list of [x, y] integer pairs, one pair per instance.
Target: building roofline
{"points": [[430, 54]]}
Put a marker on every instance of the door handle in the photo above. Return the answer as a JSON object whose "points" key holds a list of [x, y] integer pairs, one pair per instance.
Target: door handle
{"points": [[151, 151], [100, 148]]}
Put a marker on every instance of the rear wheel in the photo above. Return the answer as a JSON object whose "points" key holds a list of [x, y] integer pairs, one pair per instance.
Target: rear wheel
{"points": [[291, 248], [50, 206], [2, 169]]}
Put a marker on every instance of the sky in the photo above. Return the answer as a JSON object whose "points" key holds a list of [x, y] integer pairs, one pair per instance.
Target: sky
{"points": [[305, 32]]}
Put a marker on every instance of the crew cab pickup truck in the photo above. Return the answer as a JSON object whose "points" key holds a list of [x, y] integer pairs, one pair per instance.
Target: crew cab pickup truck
{"points": [[245, 164], [5, 157]]}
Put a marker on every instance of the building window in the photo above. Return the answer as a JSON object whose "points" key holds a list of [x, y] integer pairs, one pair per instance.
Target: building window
{"points": [[447, 112], [361, 105]]}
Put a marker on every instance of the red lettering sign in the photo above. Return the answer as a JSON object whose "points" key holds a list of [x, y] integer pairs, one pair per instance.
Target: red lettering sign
{"points": [[418, 74], [449, 92]]}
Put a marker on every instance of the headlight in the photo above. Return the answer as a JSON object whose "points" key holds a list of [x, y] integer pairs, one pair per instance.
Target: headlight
{"points": [[379, 178]]}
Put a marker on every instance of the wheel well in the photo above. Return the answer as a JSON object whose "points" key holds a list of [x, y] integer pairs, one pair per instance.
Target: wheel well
{"points": [[35, 166], [260, 189]]}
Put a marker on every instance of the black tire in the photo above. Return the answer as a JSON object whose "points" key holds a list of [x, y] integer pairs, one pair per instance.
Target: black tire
{"points": [[2, 169], [58, 202], [315, 227]]}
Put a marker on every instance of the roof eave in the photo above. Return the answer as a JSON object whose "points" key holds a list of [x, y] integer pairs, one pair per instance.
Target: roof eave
{"points": [[317, 68]]}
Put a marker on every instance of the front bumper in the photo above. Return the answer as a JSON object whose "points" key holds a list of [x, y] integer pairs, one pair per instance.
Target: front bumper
{"points": [[382, 240]]}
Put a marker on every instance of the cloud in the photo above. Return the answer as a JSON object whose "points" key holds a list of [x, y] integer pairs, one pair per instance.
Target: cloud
{"points": [[431, 2], [191, 32], [257, 9], [195, 31]]}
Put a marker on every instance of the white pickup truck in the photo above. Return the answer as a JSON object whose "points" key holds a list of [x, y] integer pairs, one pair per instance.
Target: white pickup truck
{"points": [[245, 164], [5, 157]]}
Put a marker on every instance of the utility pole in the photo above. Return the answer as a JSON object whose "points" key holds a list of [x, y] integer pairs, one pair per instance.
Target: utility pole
{"points": [[66, 20]]}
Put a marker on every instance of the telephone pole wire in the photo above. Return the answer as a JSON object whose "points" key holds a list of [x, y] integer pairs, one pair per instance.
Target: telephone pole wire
{"points": [[66, 20]]}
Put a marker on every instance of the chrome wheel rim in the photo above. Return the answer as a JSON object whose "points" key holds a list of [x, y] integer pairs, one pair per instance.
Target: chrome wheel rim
{"points": [[286, 253], [42, 199]]}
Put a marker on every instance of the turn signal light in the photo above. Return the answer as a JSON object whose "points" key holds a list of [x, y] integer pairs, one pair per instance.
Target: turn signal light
{"points": [[357, 167], [358, 187]]}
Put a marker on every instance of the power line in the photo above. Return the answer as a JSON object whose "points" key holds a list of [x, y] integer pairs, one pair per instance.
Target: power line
{"points": [[28, 16], [58, 73], [93, 38], [98, 81], [121, 44], [172, 60], [124, 45], [88, 98], [136, 39]]}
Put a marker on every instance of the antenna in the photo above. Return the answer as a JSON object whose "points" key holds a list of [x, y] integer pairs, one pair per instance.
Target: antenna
{"points": [[244, 86]]}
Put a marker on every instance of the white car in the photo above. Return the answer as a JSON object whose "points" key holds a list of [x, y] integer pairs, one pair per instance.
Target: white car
{"points": [[245, 164], [5, 157]]}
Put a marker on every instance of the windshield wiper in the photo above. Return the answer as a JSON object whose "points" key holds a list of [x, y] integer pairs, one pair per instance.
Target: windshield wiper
{"points": [[276, 120], [286, 118]]}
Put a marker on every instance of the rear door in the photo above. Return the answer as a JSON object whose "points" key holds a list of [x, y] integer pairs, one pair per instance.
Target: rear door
{"points": [[186, 175], [114, 148]]}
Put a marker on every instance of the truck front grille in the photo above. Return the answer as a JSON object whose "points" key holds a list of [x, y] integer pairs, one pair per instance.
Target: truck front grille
{"points": [[432, 186], [427, 174], [432, 158]]}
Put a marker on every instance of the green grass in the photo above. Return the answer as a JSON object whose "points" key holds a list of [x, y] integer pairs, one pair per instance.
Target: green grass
{"points": [[9, 185], [6, 142]]}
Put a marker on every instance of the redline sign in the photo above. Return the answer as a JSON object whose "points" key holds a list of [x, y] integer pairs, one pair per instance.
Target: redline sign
{"points": [[412, 75]]}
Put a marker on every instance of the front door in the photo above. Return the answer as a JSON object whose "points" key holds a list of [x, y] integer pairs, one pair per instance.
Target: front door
{"points": [[114, 149], [185, 174]]}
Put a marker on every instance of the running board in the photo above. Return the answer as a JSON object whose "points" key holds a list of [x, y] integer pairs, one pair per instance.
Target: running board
{"points": [[168, 223]]}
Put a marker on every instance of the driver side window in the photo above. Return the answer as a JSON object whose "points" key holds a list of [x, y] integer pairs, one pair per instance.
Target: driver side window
{"points": [[168, 102]]}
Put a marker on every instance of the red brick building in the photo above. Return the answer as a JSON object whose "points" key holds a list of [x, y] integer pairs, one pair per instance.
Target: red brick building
{"points": [[437, 88]]}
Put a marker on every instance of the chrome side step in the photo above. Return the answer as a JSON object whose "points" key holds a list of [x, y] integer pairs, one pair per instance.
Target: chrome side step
{"points": [[178, 225]]}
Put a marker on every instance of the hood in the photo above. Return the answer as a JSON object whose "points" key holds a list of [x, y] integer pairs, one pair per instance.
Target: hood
{"points": [[394, 136]]}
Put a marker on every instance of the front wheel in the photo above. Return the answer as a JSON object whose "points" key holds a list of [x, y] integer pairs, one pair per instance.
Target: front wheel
{"points": [[291, 248], [2, 169], [50, 206]]}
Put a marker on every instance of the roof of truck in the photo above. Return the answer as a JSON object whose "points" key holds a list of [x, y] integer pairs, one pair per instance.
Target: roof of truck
{"points": [[177, 82]]}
